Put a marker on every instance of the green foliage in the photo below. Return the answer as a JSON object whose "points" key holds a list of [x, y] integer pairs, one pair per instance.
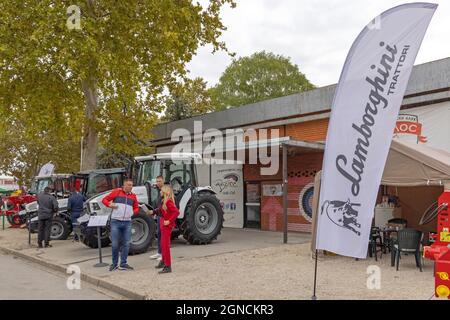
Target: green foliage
{"points": [[187, 99], [261, 76], [105, 79]]}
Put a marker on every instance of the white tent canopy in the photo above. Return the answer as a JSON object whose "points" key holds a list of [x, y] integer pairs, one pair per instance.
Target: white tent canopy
{"points": [[410, 164]]}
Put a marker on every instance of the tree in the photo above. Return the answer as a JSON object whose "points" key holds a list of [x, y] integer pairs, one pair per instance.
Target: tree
{"points": [[187, 99], [261, 76], [33, 132], [99, 68]]}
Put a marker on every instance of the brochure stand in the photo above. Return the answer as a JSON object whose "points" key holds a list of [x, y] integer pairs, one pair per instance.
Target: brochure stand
{"points": [[98, 222]]}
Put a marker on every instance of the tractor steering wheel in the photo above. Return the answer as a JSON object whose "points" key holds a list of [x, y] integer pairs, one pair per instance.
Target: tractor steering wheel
{"points": [[177, 184]]}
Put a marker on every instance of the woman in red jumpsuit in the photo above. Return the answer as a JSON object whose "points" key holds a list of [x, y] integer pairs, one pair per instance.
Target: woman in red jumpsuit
{"points": [[169, 213]]}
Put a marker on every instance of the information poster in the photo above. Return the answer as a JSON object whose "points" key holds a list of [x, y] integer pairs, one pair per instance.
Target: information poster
{"points": [[227, 182]]}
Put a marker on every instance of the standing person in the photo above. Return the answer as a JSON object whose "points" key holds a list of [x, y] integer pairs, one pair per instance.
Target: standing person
{"points": [[124, 204], [157, 211], [169, 214], [48, 206], [75, 207]]}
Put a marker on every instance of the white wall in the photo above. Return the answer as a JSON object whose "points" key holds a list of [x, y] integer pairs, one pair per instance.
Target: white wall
{"points": [[433, 125]]}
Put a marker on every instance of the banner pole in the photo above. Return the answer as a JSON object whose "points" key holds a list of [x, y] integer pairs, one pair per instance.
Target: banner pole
{"points": [[315, 225], [314, 297], [29, 228]]}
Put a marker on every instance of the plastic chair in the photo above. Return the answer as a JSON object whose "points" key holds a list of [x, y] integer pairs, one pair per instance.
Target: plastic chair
{"points": [[399, 223], [374, 236], [408, 241]]}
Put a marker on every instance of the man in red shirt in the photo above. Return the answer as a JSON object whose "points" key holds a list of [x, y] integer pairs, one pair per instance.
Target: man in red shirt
{"points": [[124, 205]]}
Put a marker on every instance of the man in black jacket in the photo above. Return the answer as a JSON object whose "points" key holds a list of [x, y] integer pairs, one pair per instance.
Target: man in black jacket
{"points": [[48, 206], [157, 205]]}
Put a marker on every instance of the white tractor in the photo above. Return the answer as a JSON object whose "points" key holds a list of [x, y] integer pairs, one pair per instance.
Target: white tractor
{"points": [[201, 215]]}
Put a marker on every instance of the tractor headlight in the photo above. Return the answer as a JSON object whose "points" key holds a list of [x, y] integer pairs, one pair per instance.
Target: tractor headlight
{"points": [[95, 207]]}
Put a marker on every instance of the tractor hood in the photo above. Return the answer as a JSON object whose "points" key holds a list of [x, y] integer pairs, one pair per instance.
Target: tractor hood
{"points": [[33, 206]]}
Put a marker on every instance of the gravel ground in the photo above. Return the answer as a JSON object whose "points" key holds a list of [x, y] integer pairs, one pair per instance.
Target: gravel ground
{"points": [[283, 272], [279, 272], [14, 238]]}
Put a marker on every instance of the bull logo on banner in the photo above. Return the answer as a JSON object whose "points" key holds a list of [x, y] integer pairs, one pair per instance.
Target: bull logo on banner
{"points": [[342, 214]]}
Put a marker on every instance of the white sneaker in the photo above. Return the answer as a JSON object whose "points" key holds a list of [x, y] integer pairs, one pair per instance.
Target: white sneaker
{"points": [[159, 258], [155, 256]]}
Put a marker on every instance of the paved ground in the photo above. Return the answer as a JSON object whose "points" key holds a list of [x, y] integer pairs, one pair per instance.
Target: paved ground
{"points": [[69, 253], [20, 279], [243, 264]]}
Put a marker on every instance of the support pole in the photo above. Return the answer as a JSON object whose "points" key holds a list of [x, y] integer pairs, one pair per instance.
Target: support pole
{"points": [[99, 242], [285, 193], [29, 228]]}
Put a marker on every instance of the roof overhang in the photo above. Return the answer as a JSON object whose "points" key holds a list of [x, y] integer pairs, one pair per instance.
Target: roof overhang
{"points": [[180, 156]]}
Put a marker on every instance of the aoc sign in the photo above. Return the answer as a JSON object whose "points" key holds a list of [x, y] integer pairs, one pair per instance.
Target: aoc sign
{"points": [[409, 125]]}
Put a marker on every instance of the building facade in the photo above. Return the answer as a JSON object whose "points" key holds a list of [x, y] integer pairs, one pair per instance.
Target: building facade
{"points": [[252, 199]]}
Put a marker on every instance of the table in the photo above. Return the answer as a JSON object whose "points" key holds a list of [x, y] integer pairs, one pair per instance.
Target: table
{"points": [[387, 237]]}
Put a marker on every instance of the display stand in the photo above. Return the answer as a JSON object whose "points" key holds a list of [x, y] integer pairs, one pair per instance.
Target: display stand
{"points": [[98, 222]]}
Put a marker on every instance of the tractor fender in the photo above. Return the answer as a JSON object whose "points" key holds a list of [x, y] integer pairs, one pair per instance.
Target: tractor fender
{"points": [[206, 189], [183, 202]]}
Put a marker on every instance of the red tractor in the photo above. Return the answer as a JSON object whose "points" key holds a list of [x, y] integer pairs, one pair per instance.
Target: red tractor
{"points": [[439, 251], [14, 204]]}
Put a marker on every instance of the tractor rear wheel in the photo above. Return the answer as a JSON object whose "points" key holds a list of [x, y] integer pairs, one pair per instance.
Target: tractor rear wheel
{"points": [[14, 219], [203, 220]]}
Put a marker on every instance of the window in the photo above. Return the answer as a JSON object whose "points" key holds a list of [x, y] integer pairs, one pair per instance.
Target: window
{"points": [[116, 180], [97, 184], [148, 172], [178, 174], [38, 186]]}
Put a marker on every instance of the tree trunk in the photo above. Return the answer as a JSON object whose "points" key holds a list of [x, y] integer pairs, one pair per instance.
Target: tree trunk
{"points": [[90, 134]]}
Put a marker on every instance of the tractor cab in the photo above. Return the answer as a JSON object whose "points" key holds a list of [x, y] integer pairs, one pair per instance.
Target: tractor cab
{"points": [[177, 170], [59, 183], [93, 182]]}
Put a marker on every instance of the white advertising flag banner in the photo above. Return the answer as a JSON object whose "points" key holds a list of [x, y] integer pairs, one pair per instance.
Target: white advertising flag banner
{"points": [[363, 116], [47, 169]]}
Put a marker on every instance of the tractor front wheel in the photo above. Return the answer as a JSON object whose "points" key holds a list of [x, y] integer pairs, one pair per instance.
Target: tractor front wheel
{"points": [[60, 229], [143, 230]]}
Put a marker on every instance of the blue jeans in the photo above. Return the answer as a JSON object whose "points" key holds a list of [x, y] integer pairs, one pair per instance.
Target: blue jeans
{"points": [[158, 234], [121, 236], [74, 219]]}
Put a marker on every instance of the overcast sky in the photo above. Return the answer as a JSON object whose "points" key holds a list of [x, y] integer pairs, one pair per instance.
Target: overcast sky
{"points": [[315, 34]]}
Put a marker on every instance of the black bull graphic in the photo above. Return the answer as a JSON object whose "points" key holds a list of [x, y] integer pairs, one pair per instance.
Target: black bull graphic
{"points": [[342, 214]]}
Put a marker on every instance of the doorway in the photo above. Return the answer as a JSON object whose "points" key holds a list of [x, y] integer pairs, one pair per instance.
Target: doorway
{"points": [[253, 205]]}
